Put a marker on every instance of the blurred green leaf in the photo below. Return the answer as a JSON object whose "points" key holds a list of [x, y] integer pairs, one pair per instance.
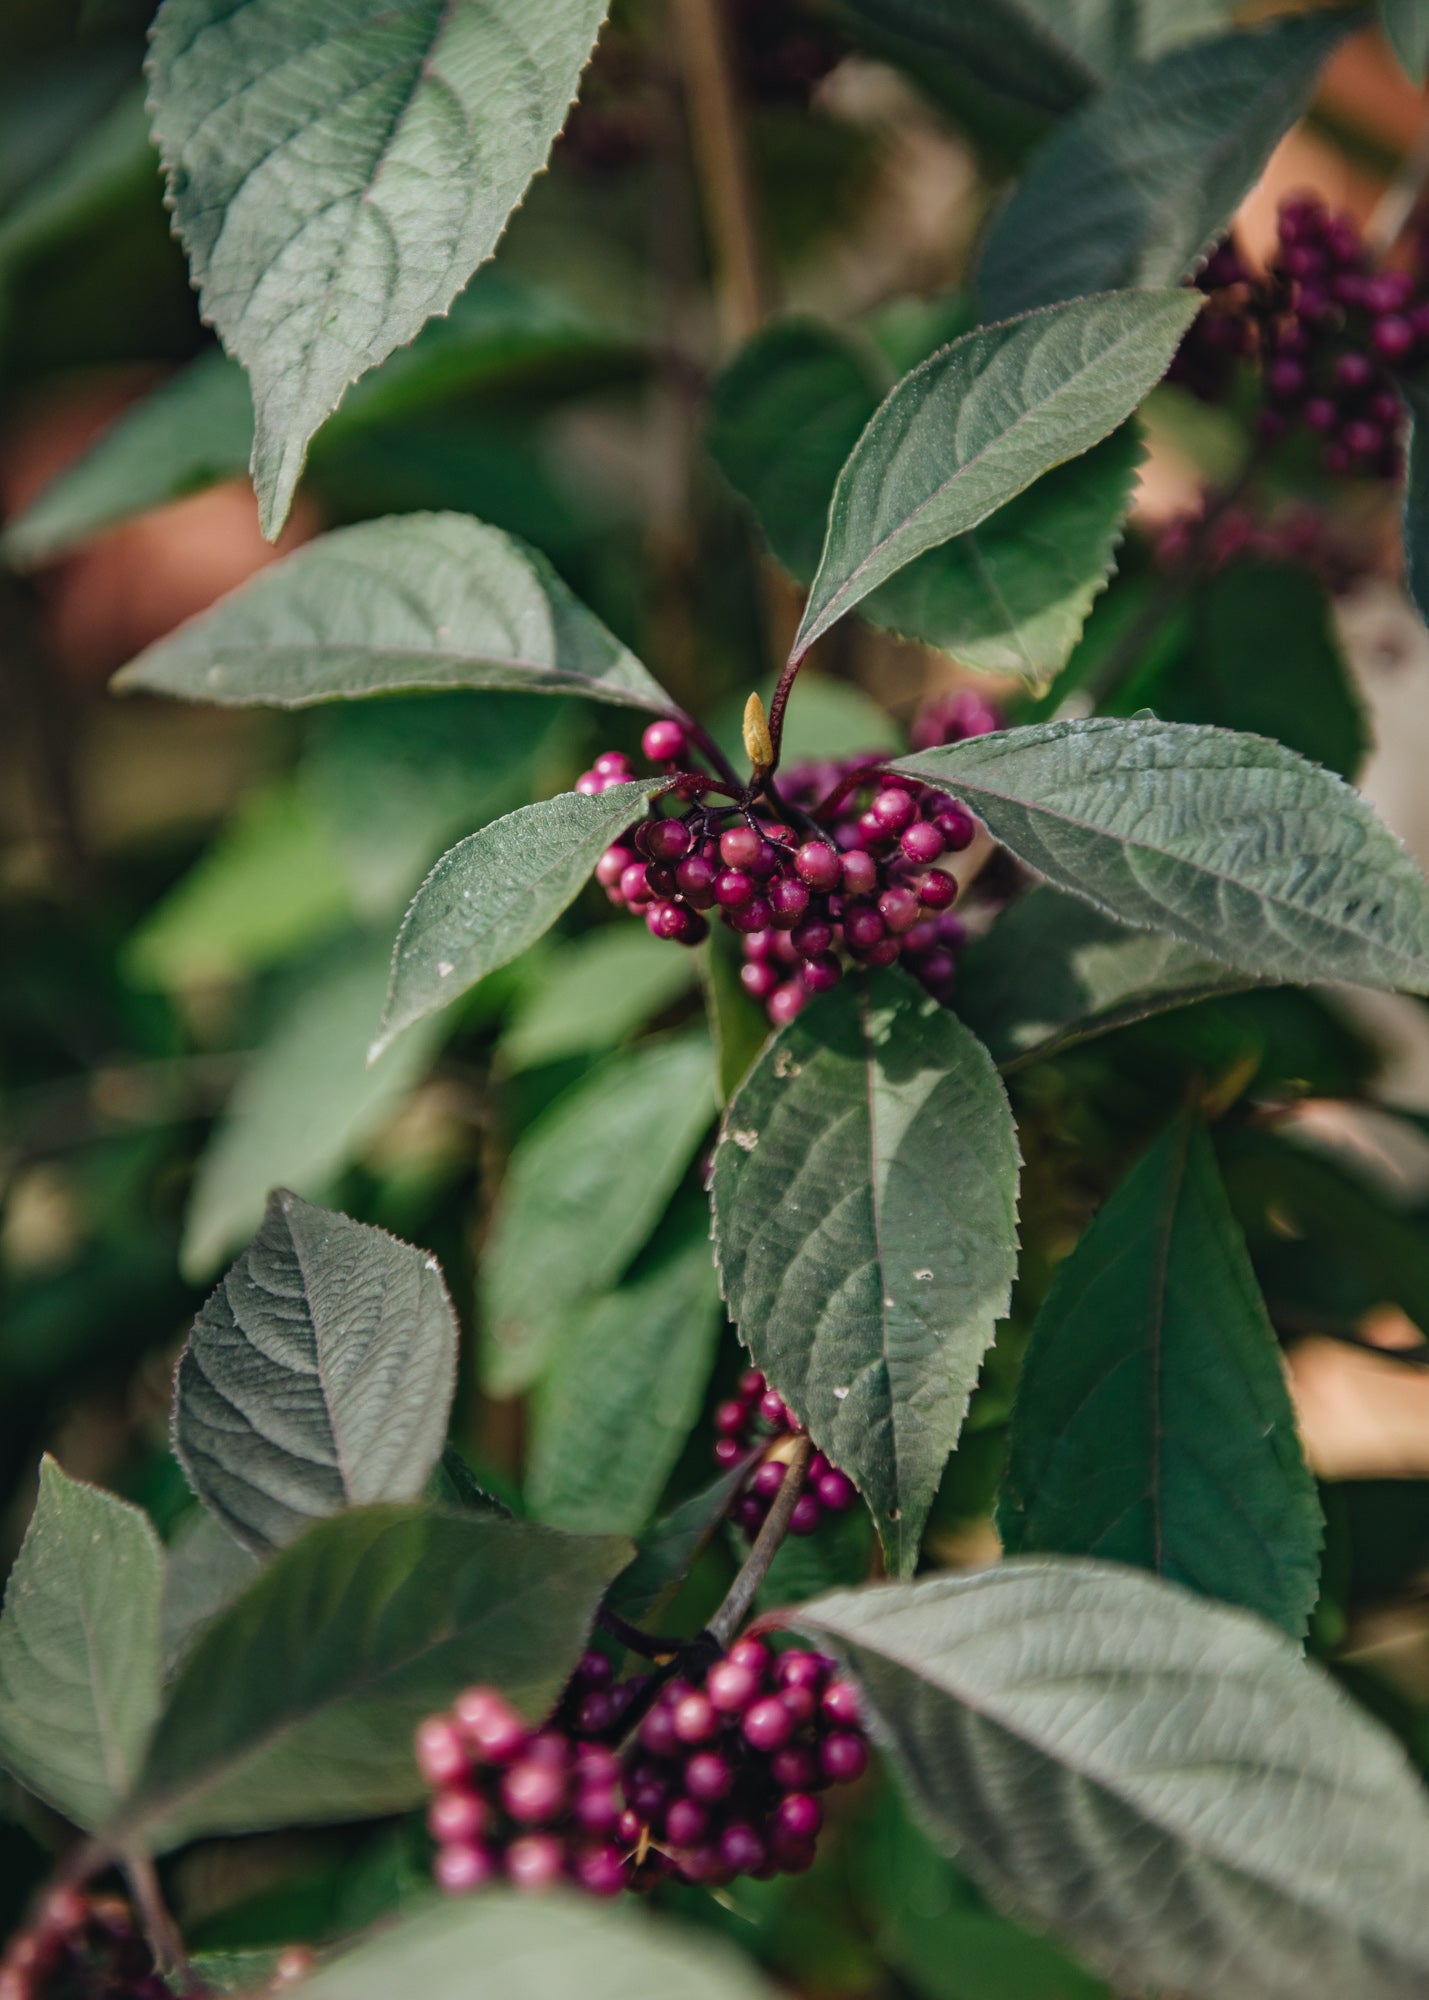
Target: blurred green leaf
{"points": [[204, 1571], [363, 1626], [593, 992], [668, 1550], [584, 1187], [79, 1648], [739, 1025], [1406, 24]]}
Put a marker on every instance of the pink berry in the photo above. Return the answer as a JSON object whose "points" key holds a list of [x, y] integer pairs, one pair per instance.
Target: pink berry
{"points": [[755, 915], [696, 1720], [820, 973], [742, 1848], [957, 826], [860, 873], [668, 840], [665, 743], [708, 1776], [1393, 337], [808, 1514], [922, 842], [812, 937], [841, 1704], [739, 846], [534, 1861], [454, 1817], [836, 1491], [612, 865], [818, 865], [731, 1686], [800, 1702], [686, 1823], [794, 1768], [751, 1653], [843, 1756], [937, 890], [613, 764], [727, 1451], [635, 886], [788, 899], [490, 1724], [733, 888], [590, 784], [460, 1868], [440, 1751], [899, 909], [798, 1816], [768, 1725], [893, 810], [695, 878], [759, 981], [533, 1790], [786, 1003], [600, 1870]]}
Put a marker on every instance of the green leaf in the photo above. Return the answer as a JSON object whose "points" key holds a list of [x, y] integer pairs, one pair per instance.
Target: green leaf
{"points": [[1152, 1424], [1406, 25], [204, 1571], [1052, 971], [1416, 499], [394, 782], [976, 424], [79, 1648], [1009, 596], [267, 887], [491, 896], [1047, 53], [194, 430], [306, 1102], [666, 1552], [1233, 844], [111, 158], [318, 1376], [1135, 186], [739, 1026], [584, 1187], [498, 1946], [434, 601], [337, 174], [865, 1189], [622, 1392], [298, 1704], [1237, 625], [1162, 1781], [595, 991]]}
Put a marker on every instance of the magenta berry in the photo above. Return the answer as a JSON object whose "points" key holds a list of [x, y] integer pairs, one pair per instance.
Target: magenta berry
{"points": [[463, 1866], [708, 1777], [669, 840], [818, 866], [768, 1725], [843, 1757], [665, 742]]}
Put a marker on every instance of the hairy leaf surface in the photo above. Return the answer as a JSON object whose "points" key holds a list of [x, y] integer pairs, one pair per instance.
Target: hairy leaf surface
{"points": [[411, 601], [1164, 1782], [1136, 185], [79, 1648], [298, 1703], [1231, 843], [977, 423], [865, 1189], [318, 1376], [337, 171], [1152, 1424]]}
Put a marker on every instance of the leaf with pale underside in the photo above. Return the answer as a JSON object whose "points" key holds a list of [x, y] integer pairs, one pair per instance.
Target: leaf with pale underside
{"points": [[298, 1703], [318, 1376], [491, 896], [1163, 1782], [865, 1190], [413, 601], [1138, 183], [1053, 971], [337, 171], [1231, 843], [1152, 1423], [1406, 23], [79, 1648], [977, 423]]}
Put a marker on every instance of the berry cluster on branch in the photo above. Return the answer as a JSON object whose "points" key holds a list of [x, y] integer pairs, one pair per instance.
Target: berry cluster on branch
{"points": [[81, 1947], [757, 1414], [1328, 326], [857, 880]]}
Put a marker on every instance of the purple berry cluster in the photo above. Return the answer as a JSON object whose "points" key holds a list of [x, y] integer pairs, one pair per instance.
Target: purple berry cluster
{"points": [[859, 882], [529, 1806], [1328, 326], [724, 1778], [81, 1947], [757, 1414], [1312, 537]]}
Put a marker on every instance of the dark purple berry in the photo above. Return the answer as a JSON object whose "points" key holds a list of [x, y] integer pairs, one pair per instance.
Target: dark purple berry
{"points": [[843, 1757], [820, 973], [708, 1776], [818, 865], [742, 1849], [798, 1817], [807, 1514], [788, 899]]}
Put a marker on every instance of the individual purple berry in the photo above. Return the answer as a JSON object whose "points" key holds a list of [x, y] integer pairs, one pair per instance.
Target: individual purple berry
{"points": [[843, 1757], [665, 742], [613, 864], [841, 1705], [751, 1653], [768, 1478], [801, 1703], [732, 1685], [759, 981], [795, 1768], [1393, 337], [456, 1816], [937, 890], [733, 888], [686, 1823], [596, 1712], [708, 1776], [771, 1408], [696, 1719], [786, 1003], [600, 1870], [818, 866], [957, 826], [739, 846], [669, 840], [821, 973], [490, 1724], [922, 842], [533, 1791], [613, 764], [634, 885], [807, 1514], [813, 936], [863, 927], [836, 1491], [463, 1866], [893, 809], [899, 909], [590, 784], [535, 1861], [798, 1817], [800, 1669], [768, 1724], [440, 1751], [788, 899], [742, 1849], [597, 1808], [860, 873], [755, 915]]}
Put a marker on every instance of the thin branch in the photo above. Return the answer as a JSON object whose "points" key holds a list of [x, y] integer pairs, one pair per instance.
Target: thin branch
{"points": [[165, 1939], [743, 1591], [722, 165]]}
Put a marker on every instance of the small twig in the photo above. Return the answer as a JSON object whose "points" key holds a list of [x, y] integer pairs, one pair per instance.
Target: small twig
{"points": [[165, 1939], [743, 1591], [722, 166], [707, 746], [779, 701], [632, 1638]]}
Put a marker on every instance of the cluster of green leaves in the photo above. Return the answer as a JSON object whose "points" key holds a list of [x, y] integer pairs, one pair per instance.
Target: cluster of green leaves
{"points": [[1115, 1731]]}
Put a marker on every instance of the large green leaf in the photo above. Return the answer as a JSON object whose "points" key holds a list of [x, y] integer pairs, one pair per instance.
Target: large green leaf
{"points": [[1135, 186], [584, 1187], [1053, 971], [593, 991], [1231, 843], [318, 1376], [626, 1379], [1010, 595], [865, 1189], [975, 424], [204, 1571], [412, 601], [1047, 53], [498, 1946], [394, 782], [492, 895], [1152, 1424], [1163, 1781], [337, 171], [669, 1548], [306, 1101], [1406, 23], [79, 1648], [299, 1701]]}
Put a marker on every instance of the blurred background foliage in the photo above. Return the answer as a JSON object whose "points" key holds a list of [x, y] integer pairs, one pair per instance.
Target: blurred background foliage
{"points": [[197, 906]]}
